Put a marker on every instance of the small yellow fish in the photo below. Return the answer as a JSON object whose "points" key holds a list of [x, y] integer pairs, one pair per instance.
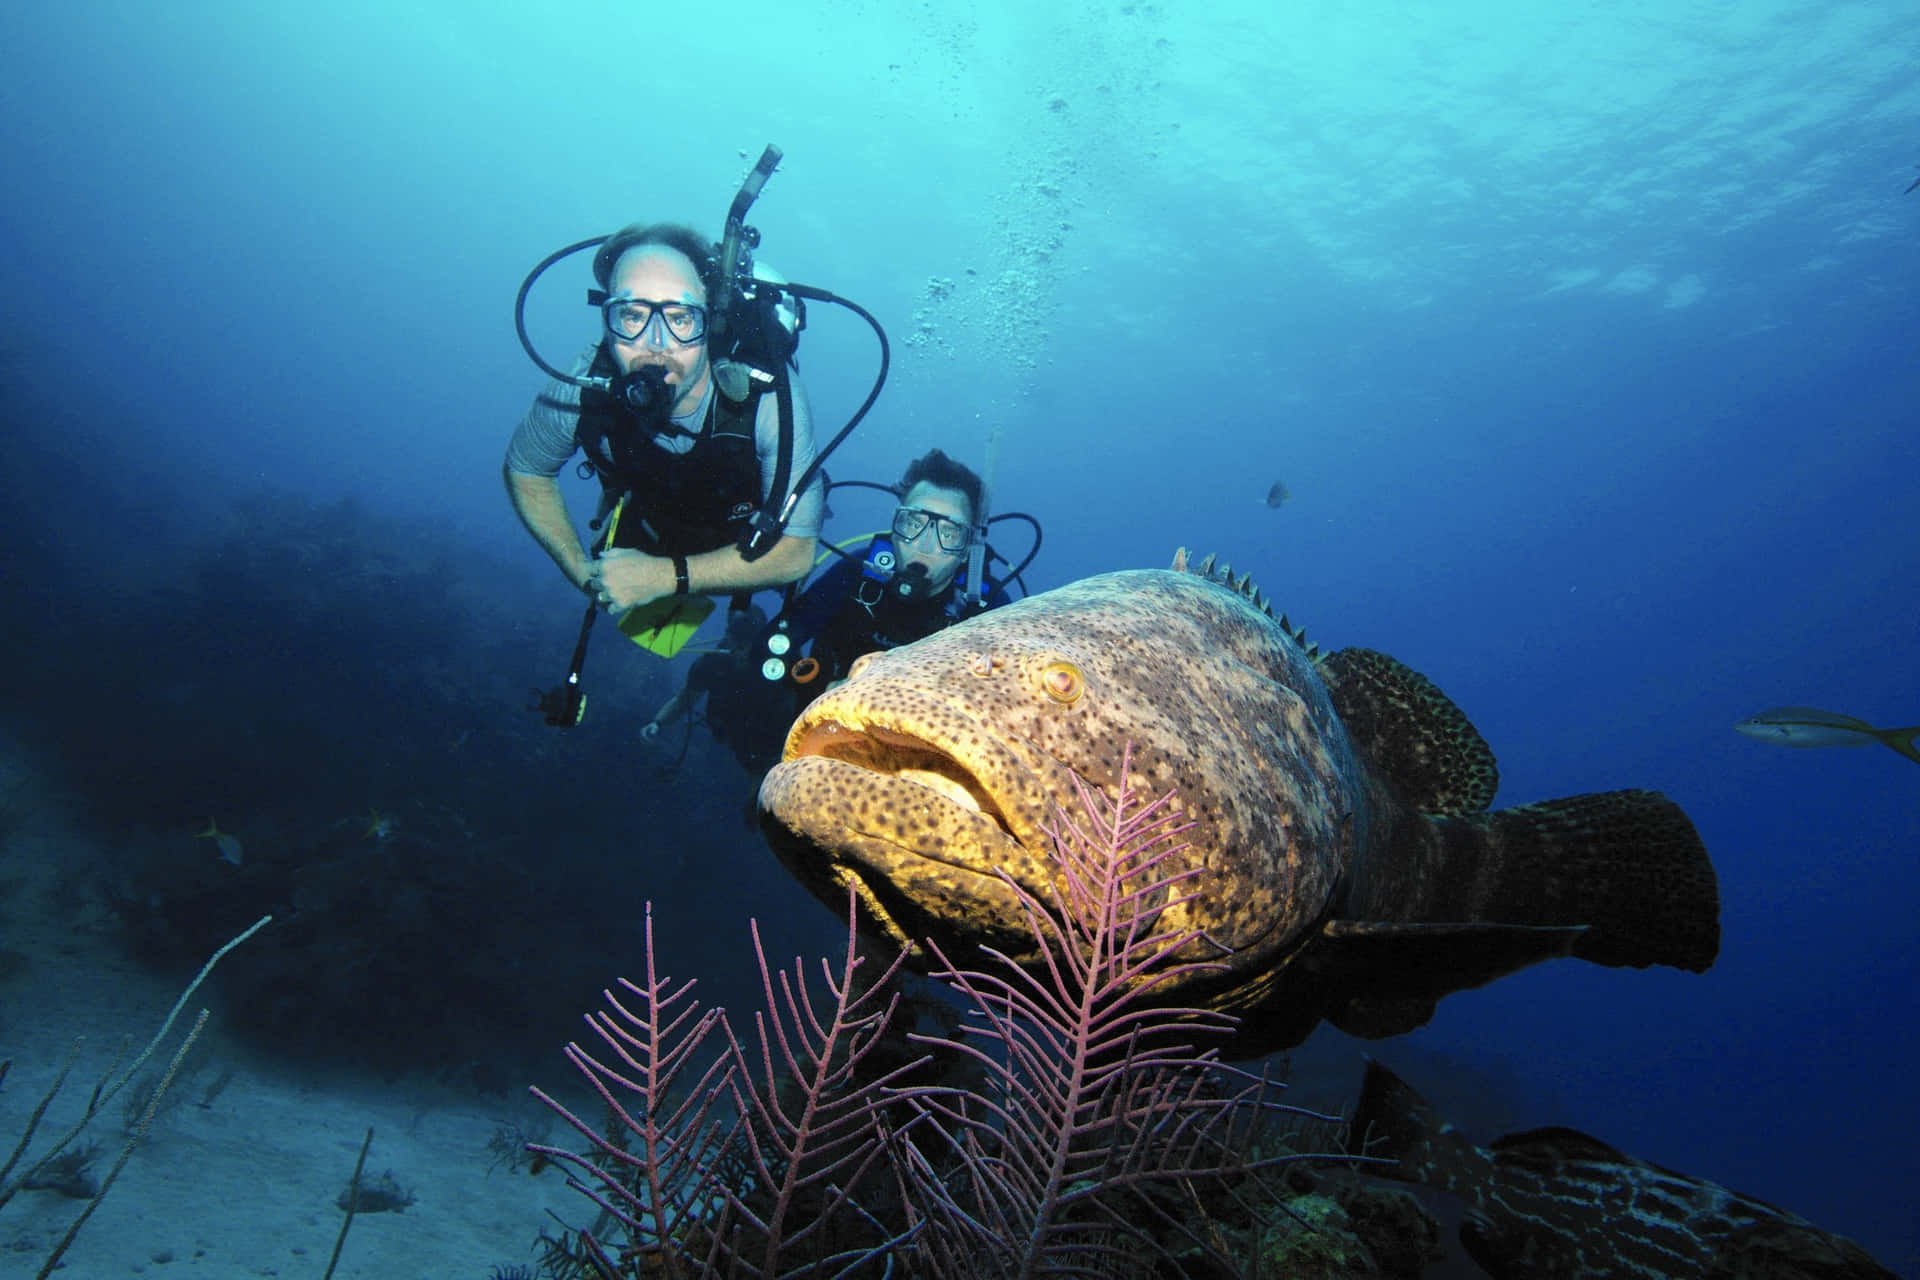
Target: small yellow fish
{"points": [[1812, 727], [230, 847], [379, 826]]}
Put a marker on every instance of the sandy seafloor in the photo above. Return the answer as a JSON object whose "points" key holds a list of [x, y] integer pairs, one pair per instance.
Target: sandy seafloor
{"points": [[246, 1186]]}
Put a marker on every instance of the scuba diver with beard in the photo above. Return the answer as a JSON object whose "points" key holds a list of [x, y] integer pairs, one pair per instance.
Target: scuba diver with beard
{"points": [[690, 414], [908, 585], [694, 458]]}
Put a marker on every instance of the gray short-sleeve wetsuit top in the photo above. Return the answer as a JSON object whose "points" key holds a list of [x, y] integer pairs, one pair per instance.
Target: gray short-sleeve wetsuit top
{"points": [[545, 440]]}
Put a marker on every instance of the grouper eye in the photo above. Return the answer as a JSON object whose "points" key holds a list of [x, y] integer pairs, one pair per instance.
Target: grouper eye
{"points": [[1062, 682]]}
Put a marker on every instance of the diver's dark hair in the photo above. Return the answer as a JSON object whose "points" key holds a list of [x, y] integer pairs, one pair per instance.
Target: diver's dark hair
{"points": [[745, 622], [673, 235], [937, 469]]}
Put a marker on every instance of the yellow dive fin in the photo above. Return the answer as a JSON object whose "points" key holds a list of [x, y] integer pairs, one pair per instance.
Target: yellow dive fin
{"points": [[665, 626]]}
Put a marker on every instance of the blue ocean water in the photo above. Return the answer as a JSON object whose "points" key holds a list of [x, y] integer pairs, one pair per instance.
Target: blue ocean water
{"points": [[1582, 335]]}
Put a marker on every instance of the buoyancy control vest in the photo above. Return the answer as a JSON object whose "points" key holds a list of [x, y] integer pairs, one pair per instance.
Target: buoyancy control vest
{"points": [[681, 503], [857, 614]]}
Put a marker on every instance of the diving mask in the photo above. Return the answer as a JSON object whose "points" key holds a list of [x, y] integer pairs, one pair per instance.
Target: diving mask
{"points": [[910, 522]]}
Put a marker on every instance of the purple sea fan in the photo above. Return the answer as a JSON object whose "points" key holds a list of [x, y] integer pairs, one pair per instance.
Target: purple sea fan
{"points": [[652, 1172], [1099, 1097], [752, 1170], [811, 1146]]}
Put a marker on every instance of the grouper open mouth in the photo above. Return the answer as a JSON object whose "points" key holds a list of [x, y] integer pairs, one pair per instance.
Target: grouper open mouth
{"points": [[919, 807], [904, 756]]}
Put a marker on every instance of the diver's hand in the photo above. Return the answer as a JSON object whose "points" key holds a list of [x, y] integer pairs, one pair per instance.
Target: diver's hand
{"points": [[624, 579]]}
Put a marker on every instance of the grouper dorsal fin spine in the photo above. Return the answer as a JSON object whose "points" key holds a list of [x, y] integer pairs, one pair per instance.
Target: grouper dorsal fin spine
{"points": [[1243, 586], [1402, 723], [1411, 732]]}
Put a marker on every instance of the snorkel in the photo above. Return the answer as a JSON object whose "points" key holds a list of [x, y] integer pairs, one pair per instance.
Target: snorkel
{"points": [[977, 552], [737, 244]]}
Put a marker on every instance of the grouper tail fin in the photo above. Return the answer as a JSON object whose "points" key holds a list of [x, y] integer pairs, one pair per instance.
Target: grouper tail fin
{"points": [[1616, 878], [1627, 865]]}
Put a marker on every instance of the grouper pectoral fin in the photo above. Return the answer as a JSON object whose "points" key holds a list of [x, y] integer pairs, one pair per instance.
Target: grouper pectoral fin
{"points": [[1379, 978], [1397, 971]]}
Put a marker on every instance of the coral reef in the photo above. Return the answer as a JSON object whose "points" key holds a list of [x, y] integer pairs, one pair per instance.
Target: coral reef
{"points": [[349, 709]]}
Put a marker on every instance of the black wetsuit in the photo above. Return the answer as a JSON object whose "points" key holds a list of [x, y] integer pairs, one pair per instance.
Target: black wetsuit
{"points": [[747, 714], [845, 614]]}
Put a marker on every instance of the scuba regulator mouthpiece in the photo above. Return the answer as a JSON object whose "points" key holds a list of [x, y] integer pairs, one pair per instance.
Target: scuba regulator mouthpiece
{"points": [[910, 583], [645, 392]]}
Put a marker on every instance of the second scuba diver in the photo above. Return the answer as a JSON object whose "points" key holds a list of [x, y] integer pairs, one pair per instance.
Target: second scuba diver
{"points": [[909, 584], [745, 713]]}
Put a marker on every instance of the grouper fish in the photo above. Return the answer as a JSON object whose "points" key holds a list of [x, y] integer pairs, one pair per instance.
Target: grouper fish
{"points": [[1349, 869], [1555, 1204]]}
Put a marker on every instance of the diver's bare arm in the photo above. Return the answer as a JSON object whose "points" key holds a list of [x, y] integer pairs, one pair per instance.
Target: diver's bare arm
{"points": [[538, 502], [718, 572], [628, 579], [675, 707]]}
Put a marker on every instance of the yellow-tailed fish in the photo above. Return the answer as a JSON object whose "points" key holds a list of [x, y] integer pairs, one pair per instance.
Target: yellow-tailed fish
{"points": [[1812, 727], [230, 847]]}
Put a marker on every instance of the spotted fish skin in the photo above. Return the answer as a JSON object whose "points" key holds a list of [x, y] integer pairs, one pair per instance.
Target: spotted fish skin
{"points": [[1555, 1204], [1347, 869], [1272, 786]]}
